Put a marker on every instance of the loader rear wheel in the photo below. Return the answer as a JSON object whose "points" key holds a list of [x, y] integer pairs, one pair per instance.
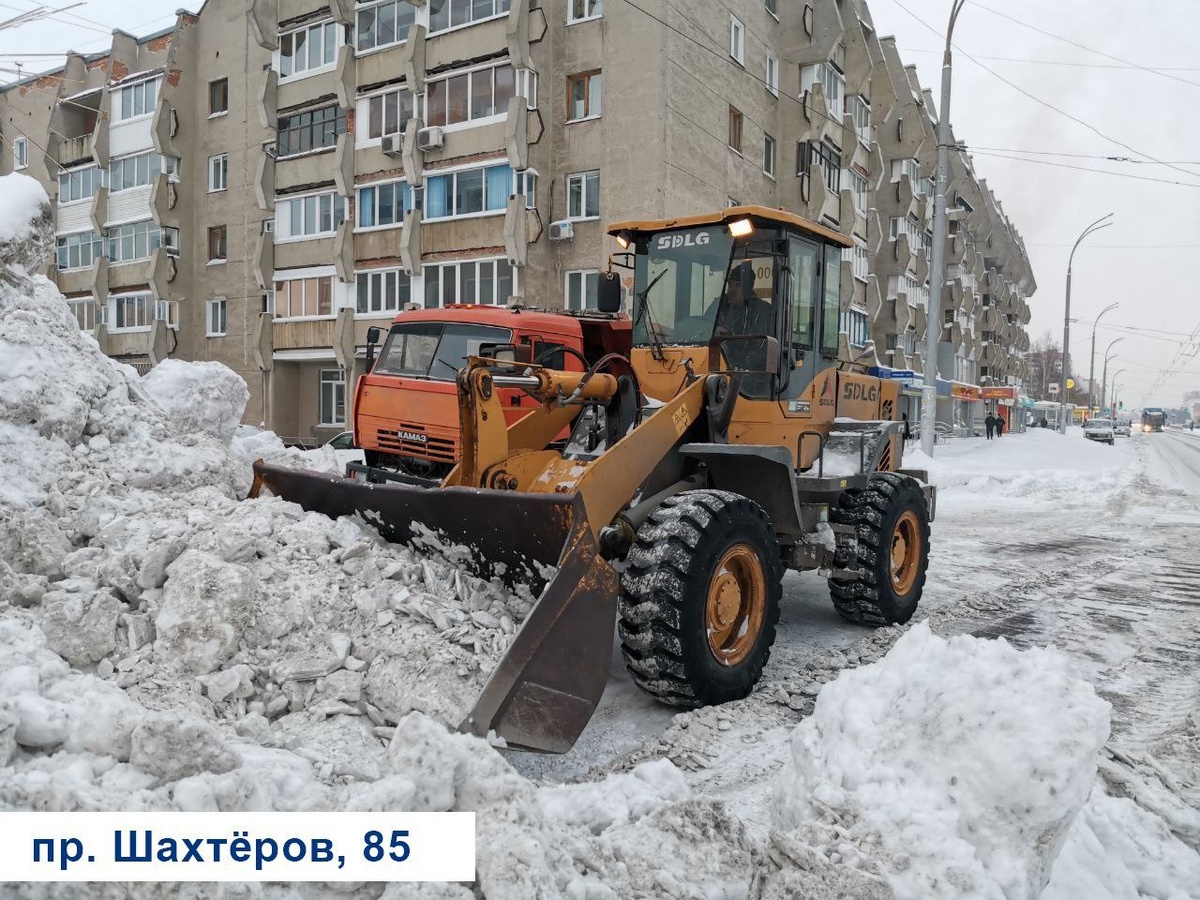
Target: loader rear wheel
{"points": [[887, 569], [700, 599]]}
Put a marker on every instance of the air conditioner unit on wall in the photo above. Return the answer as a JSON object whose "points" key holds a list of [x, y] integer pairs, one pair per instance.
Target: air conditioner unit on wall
{"points": [[562, 230], [393, 144], [430, 138]]}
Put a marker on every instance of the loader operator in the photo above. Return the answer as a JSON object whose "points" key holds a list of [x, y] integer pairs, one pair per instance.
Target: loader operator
{"points": [[740, 310]]}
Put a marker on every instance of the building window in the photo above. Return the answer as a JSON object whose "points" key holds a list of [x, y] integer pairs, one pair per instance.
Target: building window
{"points": [[584, 10], [585, 94], [858, 258], [218, 173], [135, 100], [735, 130], [20, 153], [130, 312], [308, 49], [317, 129], [581, 289], [583, 195], [772, 7], [910, 167], [737, 40], [138, 240], [916, 236], [768, 155], [385, 291], [218, 97], [217, 250], [88, 313], [140, 170], [525, 184], [332, 405], [825, 155], [216, 318], [856, 181], [486, 281], [832, 80], [468, 192], [389, 113], [854, 324], [311, 216], [304, 298], [479, 94], [859, 110], [773, 74], [79, 184], [456, 13], [384, 204], [79, 251], [384, 24]]}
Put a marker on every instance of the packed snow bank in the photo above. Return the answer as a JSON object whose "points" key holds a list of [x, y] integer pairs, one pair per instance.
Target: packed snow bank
{"points": [[200, 397], [957, 766], [1035, 467]]}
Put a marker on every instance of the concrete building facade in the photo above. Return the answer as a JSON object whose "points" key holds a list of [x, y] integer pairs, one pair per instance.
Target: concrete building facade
{"points": [[263, 182]]}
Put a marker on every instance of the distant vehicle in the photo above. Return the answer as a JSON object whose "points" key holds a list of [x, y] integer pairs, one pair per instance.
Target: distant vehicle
{"points": [[1153, 418], [1123, 427], [1100, 430]]}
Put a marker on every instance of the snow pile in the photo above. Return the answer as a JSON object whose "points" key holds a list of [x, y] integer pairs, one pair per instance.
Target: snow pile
{"points": [[200, 397], [956, 766], [23, 211]]}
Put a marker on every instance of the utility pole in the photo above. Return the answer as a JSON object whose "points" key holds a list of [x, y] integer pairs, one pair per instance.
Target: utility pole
{"points": [[937, 263], [1066, 348], [1104, 377]]}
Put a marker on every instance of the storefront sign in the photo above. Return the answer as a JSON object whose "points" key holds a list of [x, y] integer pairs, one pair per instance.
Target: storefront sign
{"points": [[965, 391], [999, 393]]}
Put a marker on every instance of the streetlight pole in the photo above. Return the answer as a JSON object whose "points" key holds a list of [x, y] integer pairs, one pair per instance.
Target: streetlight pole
{"points": [[1112, 413], [1066, 348], [1092, 368], [1104, 377], [937, 262]]}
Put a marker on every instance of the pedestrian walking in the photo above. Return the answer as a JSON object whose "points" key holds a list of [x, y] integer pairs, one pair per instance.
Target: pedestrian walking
{"points": [[989, 425], [907, 429], [999, 425]]}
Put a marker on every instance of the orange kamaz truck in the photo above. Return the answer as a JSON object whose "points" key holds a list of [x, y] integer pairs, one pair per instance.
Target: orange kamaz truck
{"points": [[406, 415]]}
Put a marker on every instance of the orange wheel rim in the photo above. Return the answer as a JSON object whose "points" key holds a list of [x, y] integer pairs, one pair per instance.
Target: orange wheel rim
{"points": [[906, 552], [736, 605]]}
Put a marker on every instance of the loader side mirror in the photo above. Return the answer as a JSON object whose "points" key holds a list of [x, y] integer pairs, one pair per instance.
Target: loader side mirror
{"points": [[510, 358], [609, 295]]}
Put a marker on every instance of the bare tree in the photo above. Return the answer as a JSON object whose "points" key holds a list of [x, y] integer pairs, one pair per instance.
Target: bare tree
{"points": [[1045, 367]]}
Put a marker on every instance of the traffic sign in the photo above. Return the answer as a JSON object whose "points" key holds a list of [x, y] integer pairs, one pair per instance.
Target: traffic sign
{"points": [[1070, 384], [1053, 388]]}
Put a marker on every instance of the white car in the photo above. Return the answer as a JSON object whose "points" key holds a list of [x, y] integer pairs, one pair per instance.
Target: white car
{"points": [[1100, 430], [1122, 427], [343, 447]]}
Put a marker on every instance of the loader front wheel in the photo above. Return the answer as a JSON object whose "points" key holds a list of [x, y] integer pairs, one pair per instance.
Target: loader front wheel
{"points": [[700, 599], [883, 577]]}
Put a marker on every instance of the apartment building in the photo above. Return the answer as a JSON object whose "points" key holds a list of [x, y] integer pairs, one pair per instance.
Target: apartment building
{"points": [[263, 182]]}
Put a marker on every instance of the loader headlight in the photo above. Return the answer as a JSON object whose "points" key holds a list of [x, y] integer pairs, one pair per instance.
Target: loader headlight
{"points": [[624, 239], [741, 228]]}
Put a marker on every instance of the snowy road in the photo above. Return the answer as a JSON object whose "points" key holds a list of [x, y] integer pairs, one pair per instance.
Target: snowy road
{"points": [[1039, 538]]}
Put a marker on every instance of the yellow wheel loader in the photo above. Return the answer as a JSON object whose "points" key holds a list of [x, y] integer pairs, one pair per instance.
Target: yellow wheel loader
{"points": [[730, 445]]}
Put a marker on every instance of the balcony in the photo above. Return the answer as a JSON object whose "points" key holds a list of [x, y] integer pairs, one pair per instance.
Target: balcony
{"points": [[75, 150]]}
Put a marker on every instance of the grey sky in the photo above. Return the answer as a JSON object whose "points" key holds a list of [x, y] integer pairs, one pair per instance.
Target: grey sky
{"points": [[1140, 261]]}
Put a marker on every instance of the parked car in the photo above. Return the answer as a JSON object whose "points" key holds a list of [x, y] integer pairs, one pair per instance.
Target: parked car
{"points": [[1123, 427], [1100, 430], [343, 447]]}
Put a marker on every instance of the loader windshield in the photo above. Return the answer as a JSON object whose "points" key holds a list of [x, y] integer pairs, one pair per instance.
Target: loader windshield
{"points": [[435, 350], [682, 304]]}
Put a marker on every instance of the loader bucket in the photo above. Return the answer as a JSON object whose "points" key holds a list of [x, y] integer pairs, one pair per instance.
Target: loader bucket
{"points": [[545, 688]]}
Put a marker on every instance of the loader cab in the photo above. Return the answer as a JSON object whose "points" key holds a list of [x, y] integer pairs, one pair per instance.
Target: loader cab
{"points": [[750, 289]]}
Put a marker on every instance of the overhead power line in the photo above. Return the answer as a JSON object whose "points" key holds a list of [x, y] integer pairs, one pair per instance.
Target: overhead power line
{"points": [[1065, 63], [1046, 104], [1058, 165]]}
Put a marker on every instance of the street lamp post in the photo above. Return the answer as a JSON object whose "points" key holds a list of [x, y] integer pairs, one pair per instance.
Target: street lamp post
{"points": [[1092, 368], [1112, 413], [1104, 377], [1066, 348], [937, 262]]}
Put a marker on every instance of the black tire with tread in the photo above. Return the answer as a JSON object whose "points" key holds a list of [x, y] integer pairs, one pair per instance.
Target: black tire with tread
{"points": [[873, 512], [662, 608]]}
